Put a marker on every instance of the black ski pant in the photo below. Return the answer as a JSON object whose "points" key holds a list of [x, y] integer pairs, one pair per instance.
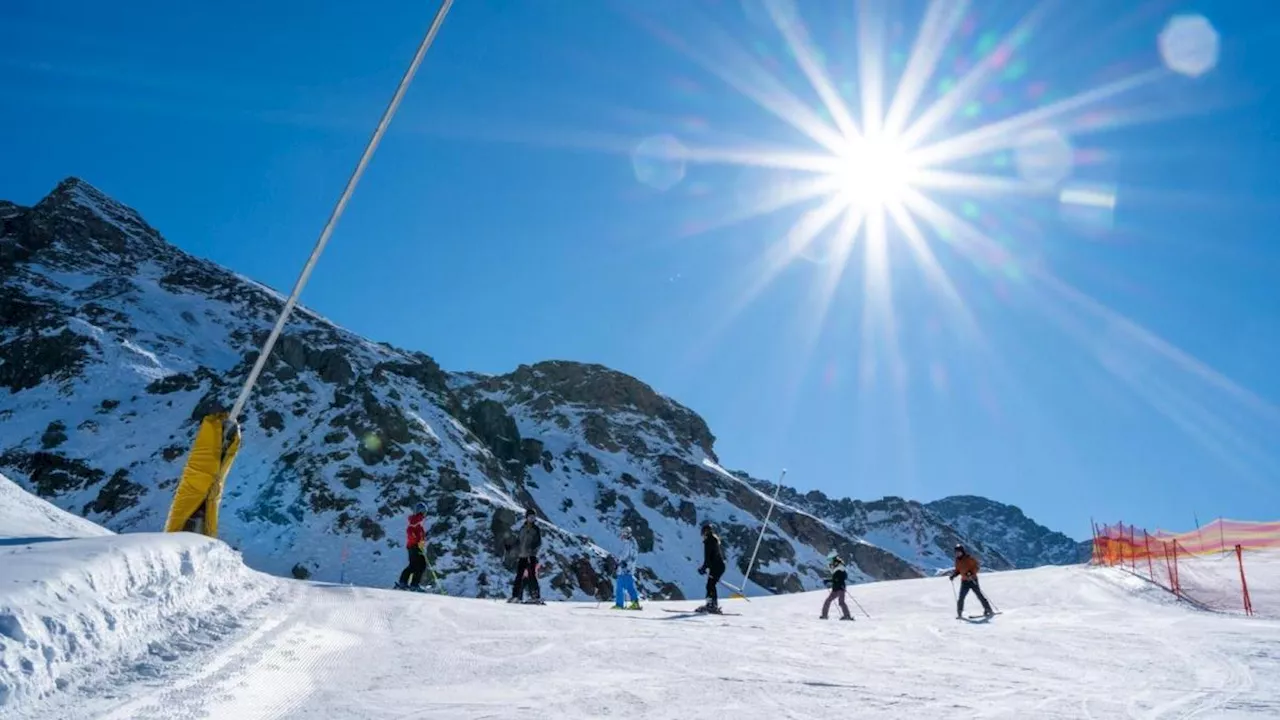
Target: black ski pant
{"points": [[713, 581], [412, 575], [834, 596], [965, 587], [526, 574]]}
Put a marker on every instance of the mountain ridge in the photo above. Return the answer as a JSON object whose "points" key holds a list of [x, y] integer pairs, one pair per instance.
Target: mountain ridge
{"points": [[115, 343]]}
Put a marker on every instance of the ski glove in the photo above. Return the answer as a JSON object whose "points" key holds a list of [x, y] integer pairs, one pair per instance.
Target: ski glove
{"points": [[702, 570]]}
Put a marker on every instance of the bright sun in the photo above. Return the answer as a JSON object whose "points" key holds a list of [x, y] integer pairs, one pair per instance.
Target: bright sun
{"points": [[874, 172]]}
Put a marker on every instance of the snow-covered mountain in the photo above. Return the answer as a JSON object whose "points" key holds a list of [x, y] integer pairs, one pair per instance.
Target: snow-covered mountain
{"points": [[1006, 530], [113, 344]]}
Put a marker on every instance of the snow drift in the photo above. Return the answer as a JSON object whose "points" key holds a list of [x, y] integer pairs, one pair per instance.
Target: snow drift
{"points": [[75, 613]]}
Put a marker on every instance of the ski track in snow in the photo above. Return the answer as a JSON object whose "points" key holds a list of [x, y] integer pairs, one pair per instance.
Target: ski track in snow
{"points": [[1071, 643]]}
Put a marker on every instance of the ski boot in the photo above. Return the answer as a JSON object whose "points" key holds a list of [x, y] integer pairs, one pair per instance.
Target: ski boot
{"points": [[513, 600], [847, 617], [635, 605], [399, 586]]}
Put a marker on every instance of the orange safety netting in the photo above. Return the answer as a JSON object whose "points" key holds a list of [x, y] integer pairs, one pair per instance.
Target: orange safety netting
{"points": [[1205, 566]]}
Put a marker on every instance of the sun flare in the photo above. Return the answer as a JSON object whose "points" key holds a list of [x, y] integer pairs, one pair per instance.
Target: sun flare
{"points": [[874, 172]]}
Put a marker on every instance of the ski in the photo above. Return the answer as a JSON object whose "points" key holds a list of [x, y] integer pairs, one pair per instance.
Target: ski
{"points": [[699, 611]]}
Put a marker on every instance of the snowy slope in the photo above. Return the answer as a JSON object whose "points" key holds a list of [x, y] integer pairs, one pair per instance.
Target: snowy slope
{"points": [[24, 517], [1072, 642], [113, 343]]}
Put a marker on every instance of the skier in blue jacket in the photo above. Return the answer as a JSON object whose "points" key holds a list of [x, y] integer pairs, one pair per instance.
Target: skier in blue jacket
{"points": [[626, 581]]}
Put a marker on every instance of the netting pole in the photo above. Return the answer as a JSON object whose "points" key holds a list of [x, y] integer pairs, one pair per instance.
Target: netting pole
{"points": [[1222, 536], [1093, 548], [338, 209], [1244, 586], [1177, 587], [1133, 551], [1146, 540]]}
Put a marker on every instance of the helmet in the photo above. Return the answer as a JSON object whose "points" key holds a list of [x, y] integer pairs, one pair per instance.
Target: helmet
{"points": [[529, 513], [835, 560], [420, 508], [707, 528], [960, 549]]}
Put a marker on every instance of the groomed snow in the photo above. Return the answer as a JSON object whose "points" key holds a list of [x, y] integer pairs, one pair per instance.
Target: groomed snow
{"points": [[80, 616], [1072, 642]]}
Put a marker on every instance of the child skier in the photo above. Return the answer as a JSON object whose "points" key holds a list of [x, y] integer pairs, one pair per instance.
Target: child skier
{"points": [[838, 581], [967, 569], [415, 541], [626, 581], [528, 542], [712, 567]]}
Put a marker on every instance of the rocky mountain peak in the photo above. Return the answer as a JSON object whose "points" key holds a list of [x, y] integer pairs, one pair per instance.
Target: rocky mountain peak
{"points": [[590, 386], [1023, 541], [77, 227]]}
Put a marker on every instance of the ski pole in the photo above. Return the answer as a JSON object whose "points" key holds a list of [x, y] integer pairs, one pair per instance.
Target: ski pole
{"points": [[855, 602], [434, 580]]}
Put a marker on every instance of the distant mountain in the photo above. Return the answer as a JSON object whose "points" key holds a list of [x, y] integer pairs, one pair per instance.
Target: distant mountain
{"points": [[1005, 529], [114, 343]]}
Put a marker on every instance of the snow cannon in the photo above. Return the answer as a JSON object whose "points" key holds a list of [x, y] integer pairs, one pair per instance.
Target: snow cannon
{"points": [[199, 492]]}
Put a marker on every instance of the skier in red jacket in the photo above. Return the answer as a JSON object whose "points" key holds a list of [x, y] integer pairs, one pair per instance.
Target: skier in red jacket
{"points": [[415, 540]]}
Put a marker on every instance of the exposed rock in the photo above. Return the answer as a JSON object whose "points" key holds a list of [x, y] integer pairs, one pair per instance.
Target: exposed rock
{"points": [[271, 420], [531, 451], [489, 420], [30, 360], [54, 435], [117, 495]]}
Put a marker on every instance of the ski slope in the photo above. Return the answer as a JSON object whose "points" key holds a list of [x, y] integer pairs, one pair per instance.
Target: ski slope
{"points": [[196, 634]]}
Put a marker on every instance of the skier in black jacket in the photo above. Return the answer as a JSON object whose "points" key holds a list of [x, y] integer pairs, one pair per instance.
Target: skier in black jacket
{"points": [[528, 541], [839, 580], [712, 567]]}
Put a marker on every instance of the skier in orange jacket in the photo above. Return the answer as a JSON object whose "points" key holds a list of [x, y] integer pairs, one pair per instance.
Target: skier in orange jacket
{"points": [[967, 569]]}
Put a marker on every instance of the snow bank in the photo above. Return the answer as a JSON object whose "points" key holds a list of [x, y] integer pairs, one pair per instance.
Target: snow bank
{"points": [[75, 612], [26, 518]]}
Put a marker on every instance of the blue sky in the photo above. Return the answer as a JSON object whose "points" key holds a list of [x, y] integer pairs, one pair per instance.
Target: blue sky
{"points": [[1088, 362]]}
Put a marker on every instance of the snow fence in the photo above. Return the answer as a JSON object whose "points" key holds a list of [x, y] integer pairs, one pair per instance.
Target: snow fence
{"points": [[1227, 566], [73, 612]]}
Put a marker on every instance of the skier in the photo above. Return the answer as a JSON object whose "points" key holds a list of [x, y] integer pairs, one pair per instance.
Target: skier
{"points": [[626, 582], [712, 567], [415, 541], [528, 542], [838, 581], [967, 569]]}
